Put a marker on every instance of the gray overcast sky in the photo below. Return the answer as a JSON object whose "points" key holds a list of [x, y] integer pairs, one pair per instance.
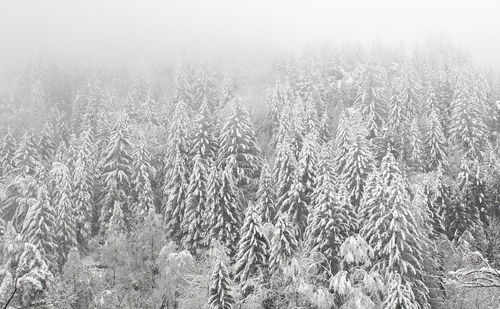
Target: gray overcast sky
{"points": [[130, 29]]}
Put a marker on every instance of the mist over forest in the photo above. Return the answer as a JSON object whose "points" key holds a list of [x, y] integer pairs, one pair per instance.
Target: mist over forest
{"points": [[267, 154]]}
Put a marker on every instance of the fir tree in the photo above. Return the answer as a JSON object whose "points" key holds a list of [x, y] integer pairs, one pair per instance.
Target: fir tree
{"points": [[295, 206], [237, 140], [206, 91], [219, 292], [307, 164], [284, 171], [266, 197], [26, 157], [399, 294], [253, 250]]}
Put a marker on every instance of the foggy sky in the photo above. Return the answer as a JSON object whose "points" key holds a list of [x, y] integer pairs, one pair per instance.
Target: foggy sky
{"points": [[125, 30]]}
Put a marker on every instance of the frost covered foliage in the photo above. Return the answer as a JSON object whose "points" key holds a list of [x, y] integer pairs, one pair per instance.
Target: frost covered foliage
{"points": [[335, 178]]}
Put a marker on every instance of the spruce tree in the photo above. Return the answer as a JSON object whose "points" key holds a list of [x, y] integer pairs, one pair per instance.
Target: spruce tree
{"points": [[39, 227], [389, 225], [176, 170], [329, 222], [219, 291], [7, 151], [307, 164], [371, 100], [266, 197], [47, 146], [283, 244], [434, 142], [295, 206], [253, 250], [61, 191], [206, 91], [83, 185], [116, 171], [141, 178], [284, 171], [237, 140], [225, 213], [399, 294], [192, 226], [204, 137]]}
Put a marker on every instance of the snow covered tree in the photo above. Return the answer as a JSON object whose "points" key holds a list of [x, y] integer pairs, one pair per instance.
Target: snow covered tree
{"points": [[7, 151], [39, 227], [266, 198], [371, 100], [468, 132], [83, 185], [467, 203], [307, 164], [206, 91], [389, 224], [61, 191], [283, 244], [329, 220], [176, 174], [142, 171], [225, 211], [355, 283], [410, 89], [219, 292], [434, 141], [295, 206], [284, 169], [192, 226], [253, 251], [358, 163], [33, 273], [398, 113], [237, 140], [413, 151], [116, 171], [204, 137], [26, 157], [399, 294], [47, 146]]}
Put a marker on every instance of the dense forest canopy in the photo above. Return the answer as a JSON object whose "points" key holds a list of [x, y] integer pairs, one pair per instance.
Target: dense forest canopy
{"points": [[338, 177]]}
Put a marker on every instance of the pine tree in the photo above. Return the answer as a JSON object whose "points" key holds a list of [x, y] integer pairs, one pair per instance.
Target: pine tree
{"points": [[295, 206], [7, 151], [196, 206], [116, 171], [26, 157], [39, 227], [283, 244], [225, 214], [141, 178], [237, 140], [266, 197], [410, 89], [219, 292], [390, 227], [414, 147], [33, 272], [253, 250], [398, 113], [61, 190], [371, 98]]}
